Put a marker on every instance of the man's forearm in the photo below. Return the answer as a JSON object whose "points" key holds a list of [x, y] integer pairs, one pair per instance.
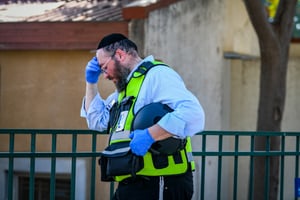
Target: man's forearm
{"points": [[158, 133], [90, 93]]}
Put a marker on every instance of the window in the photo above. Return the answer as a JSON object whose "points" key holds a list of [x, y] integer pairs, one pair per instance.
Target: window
{"points": [[63, 174], [42, 187]]}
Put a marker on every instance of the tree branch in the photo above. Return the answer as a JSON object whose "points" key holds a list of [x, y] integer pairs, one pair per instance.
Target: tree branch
{"points": [[285, 20], [259, 19], [279, 12]]}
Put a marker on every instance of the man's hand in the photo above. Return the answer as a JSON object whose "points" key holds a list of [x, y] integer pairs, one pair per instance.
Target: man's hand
{"points": [[92, 71], [141, 141]]}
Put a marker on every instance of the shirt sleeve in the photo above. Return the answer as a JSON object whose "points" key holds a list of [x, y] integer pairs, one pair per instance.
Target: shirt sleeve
{"points": [[97, 116], [163, 84]]}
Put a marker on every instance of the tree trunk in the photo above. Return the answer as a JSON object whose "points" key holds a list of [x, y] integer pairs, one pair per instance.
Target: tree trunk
{"points": [[274, 40]]}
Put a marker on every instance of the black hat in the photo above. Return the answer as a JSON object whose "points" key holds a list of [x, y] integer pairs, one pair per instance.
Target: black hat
{"points": [[110, 39]]}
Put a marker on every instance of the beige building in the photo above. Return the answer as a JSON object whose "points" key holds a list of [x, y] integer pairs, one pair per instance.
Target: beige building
{"points": [[211, 44]]}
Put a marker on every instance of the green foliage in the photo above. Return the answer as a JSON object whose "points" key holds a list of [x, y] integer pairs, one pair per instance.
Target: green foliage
{"points": [[296, 31]]}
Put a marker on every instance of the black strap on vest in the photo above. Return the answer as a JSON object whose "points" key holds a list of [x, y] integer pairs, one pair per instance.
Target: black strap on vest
{"points": [[144, 68]]}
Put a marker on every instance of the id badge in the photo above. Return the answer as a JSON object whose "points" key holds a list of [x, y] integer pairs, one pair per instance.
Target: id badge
{"points": [[122, 120]]}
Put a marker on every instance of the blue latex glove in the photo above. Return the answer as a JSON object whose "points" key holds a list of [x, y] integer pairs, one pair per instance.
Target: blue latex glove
{"points": [[92, 71], [141, 141]]}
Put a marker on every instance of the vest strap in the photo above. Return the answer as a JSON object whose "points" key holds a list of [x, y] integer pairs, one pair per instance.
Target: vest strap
{"points": [[143, 68]]}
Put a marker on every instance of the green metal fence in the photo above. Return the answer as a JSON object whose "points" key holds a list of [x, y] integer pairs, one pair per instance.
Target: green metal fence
{"points": [[289, 149], [229, 149]]}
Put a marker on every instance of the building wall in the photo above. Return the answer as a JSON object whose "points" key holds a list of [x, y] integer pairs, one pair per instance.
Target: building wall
{"points": [[193, 48], [245, 91], [44, 89]]}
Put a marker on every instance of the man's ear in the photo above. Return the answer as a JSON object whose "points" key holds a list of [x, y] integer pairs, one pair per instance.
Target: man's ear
{"points": [[120, 55]]}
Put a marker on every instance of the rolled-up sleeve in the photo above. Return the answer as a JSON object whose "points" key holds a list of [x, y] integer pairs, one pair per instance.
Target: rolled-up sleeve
{"points": [[97, 116], [184, 121]]}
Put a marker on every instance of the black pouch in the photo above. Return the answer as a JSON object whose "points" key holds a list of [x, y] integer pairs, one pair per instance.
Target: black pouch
{"points": [[103, 167], [119, 161], [160, 161], [169, 147]]}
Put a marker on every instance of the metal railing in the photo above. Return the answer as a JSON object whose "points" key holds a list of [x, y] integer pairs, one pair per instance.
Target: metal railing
{"points": [[234, 151], [210, 145]]}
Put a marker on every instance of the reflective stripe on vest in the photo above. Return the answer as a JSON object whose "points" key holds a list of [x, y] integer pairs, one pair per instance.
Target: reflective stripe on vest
{"points": [[120, 136], [116, 151]]}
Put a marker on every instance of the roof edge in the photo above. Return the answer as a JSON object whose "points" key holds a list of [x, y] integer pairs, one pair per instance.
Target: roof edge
{"points": [[56, 35], [142, 11]]}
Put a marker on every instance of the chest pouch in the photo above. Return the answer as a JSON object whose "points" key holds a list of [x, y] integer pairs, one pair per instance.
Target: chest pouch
{"points": [[117, 159]]}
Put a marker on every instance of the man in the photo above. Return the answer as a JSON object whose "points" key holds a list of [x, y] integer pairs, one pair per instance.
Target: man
{"points": [[140, 82]]}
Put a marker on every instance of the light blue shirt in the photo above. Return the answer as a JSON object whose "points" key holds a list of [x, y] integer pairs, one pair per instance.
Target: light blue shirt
{"points": [[161, 84]]}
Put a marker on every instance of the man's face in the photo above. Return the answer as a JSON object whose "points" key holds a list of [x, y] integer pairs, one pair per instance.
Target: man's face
{"points": [[113, 69]]}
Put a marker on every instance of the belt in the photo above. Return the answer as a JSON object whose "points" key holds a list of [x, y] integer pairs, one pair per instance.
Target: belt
{"points": [[138, 179]]}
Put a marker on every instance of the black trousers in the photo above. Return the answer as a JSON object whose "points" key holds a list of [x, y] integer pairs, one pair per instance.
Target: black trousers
{"points": [[176, 187]]}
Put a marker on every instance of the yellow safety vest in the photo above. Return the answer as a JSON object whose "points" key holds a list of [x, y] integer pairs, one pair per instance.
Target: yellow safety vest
{"points": [[121, 134]]}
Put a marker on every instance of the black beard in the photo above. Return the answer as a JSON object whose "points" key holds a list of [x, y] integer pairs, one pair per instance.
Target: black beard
{"points": [[121, 73]]}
